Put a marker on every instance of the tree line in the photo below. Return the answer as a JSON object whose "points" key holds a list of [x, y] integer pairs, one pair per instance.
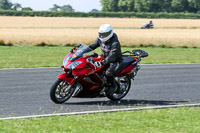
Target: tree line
{"points": [[113, 8], [151, 6], [64, 8], [180, 15], [7, 5]]}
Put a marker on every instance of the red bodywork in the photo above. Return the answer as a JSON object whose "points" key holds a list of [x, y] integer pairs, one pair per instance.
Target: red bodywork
{"points": [[126, 71], [67, 77], [89, 77]]}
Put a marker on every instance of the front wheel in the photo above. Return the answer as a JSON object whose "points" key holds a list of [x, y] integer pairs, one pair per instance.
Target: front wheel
{"points": [[124, 84], [61, 91]]}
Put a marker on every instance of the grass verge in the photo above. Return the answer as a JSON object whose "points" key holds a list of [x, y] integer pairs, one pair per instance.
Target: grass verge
{"points": [[179, 120], [37, 56]]}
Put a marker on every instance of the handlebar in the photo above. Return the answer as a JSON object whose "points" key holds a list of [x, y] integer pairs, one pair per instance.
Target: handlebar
{"points": [[91, 61]]}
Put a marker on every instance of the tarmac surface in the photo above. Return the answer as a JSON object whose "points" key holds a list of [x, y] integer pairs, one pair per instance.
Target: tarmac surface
{"points": [[25, 92]]}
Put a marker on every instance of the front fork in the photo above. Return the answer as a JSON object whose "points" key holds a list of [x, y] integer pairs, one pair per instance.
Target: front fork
{"points": [[72, 83]]}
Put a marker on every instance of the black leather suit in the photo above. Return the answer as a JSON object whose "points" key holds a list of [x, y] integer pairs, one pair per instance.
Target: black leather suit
{"points": [[111, 51]]}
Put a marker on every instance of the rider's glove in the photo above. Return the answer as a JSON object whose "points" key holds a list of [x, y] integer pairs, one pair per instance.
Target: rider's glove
{"points": [[99, 63]]}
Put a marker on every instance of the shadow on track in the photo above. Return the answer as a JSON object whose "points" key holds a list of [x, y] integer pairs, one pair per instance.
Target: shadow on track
{"points": [[128, 102]]}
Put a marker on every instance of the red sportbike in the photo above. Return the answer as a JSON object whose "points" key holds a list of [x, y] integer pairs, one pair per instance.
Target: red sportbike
{"points": [[82, 79]]}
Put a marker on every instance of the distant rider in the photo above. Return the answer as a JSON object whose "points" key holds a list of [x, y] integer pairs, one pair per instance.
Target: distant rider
{"points": [[111, 51], [150, 24]]}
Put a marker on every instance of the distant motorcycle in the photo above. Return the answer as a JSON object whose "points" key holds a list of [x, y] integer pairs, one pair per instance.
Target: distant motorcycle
{"points": [[82, 79], [148, 25]]}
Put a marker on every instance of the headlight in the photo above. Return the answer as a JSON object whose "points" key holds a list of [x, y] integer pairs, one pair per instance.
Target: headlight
{"points": [[74, 64]]}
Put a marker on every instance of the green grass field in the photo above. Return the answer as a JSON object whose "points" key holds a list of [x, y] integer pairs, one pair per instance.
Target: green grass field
{"points": [[34, 56], [180, 120]]}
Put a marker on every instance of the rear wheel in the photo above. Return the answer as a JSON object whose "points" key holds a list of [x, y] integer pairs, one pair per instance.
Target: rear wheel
{"points": [[61, 91], [124, 84]]}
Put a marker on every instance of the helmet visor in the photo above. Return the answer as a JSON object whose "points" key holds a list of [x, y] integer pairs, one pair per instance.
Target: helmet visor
{"points": [[104, 35]]}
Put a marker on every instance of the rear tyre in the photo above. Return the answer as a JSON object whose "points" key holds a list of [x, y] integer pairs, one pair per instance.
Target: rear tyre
{"points": [[61, 91], [124, 84]]}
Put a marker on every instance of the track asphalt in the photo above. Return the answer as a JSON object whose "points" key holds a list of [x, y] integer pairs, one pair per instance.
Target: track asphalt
{"points": [[25, 92]]}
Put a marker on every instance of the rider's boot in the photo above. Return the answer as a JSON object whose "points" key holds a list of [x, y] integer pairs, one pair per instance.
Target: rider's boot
{"points": [[111, 84]]}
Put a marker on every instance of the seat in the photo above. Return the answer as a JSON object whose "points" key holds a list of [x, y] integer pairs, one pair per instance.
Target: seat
{"points": [[127, 60]]}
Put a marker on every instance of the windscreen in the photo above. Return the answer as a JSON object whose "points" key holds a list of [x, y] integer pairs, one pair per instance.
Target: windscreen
{"points": [[80, 51]]}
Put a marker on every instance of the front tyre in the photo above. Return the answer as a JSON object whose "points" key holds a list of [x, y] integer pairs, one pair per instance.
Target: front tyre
{"points": [[124, 84], [61, 91]]}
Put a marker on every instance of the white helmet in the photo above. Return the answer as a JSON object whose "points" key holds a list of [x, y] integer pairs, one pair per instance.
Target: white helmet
{"points": [[105, 32]]}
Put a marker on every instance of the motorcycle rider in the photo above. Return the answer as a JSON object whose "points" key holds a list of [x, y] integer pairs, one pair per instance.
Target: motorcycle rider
{"points": [[150, 24], [111, 51]]}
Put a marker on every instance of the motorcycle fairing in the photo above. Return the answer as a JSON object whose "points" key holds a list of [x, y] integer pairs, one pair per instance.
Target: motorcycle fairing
{"points": [[83, 72], [91, 87], [125, 71], [67, 77]]}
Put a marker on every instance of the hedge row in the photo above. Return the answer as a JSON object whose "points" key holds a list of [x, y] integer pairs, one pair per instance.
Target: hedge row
{"points": [[102, 14]]}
